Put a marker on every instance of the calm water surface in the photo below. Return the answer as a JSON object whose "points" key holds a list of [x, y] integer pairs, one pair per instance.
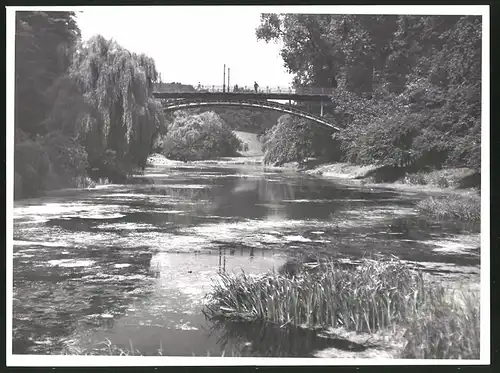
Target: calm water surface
{"points": [[132, 263]]}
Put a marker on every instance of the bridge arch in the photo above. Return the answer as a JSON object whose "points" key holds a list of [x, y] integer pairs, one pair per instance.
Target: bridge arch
{"points": [[246, 103]]}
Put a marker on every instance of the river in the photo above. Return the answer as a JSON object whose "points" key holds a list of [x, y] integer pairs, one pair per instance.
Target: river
{"points": [[130, 264]]}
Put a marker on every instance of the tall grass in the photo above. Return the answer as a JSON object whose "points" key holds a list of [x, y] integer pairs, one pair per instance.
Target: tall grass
{"points": [[378, 295], [445, 328], [464, 208], [374, 296]]}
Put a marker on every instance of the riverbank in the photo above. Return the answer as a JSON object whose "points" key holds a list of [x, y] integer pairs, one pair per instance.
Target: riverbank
{"points": [[445, 180], [435, 182]]}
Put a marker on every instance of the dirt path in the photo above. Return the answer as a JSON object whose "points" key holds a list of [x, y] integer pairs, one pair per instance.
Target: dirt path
{"points": [[254, 145]]}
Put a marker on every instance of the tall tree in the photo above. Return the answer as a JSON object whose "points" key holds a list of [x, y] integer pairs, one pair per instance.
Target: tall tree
{"points": [[117, 84], [47, 104], [44, 41], [391, 66]]}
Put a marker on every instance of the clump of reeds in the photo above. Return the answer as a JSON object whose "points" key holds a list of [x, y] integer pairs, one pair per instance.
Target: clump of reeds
{"points": [[445, 328], [373, 296], [465, 208]]}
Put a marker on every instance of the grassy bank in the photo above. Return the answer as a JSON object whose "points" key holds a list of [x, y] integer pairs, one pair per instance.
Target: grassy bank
{"points": [[445, 178], [462, 200], [457, 207], [376, 296], [448, 178]]}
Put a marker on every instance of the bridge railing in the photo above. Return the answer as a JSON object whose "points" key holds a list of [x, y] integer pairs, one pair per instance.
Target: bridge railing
{"points": [[247, 89]]}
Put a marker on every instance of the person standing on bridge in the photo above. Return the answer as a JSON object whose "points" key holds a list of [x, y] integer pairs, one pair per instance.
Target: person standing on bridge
{"points": [[256, 87]]}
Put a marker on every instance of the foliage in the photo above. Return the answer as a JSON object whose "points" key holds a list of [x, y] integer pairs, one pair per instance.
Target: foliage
{"points": [[466, 208], [47, 104], [202, 136], [247, 120], [293, 139], [117, 85], [44, 42], [32, 165], [68, 157], [78, 105], [288, 141], [422, 71], [372, 297], [444, 178], [445, 329], [375, 296], [387, 140]]}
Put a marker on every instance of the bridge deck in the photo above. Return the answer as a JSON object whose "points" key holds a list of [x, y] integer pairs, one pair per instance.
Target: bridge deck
{"points": [[245, 95]]}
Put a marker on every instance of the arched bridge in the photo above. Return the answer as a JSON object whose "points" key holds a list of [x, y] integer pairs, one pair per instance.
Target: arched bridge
{"points": [[178, 100]]}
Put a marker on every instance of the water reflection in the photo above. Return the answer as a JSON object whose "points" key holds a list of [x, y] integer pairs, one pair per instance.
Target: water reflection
{"points": [[271, 340]]}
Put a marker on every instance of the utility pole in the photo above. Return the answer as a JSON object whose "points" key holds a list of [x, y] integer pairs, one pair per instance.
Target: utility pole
{"points": [[228, 77], [224, 80]]}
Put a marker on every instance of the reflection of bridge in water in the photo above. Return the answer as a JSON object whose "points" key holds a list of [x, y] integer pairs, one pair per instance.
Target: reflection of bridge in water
{"points": [[186, 97]]}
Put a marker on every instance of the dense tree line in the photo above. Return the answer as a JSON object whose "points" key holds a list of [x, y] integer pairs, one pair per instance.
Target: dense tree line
{"points": [[408, 88]]}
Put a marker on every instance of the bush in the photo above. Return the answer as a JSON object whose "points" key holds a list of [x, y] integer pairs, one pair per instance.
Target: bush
{"points": [[294, 139], [197, 137], [109, 166], [67, 157], [48, 162], [32, 165], [385, 141]]}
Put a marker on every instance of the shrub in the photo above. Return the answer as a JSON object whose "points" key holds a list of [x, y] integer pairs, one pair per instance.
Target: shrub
{"points": [[67, 157], [32, 165], [293, 140], [109, 166], [201, 136], [50, 161], [386, 140]]}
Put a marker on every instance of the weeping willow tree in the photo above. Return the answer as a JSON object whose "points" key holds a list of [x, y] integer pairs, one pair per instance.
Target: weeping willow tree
{"points": [[123, 115]]}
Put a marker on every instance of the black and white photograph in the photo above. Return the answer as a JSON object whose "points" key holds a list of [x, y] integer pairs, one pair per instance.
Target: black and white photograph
{"points": [[262, 185]]}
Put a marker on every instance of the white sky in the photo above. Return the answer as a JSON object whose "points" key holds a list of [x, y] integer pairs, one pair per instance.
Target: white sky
{"points": [[191, 44]]}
